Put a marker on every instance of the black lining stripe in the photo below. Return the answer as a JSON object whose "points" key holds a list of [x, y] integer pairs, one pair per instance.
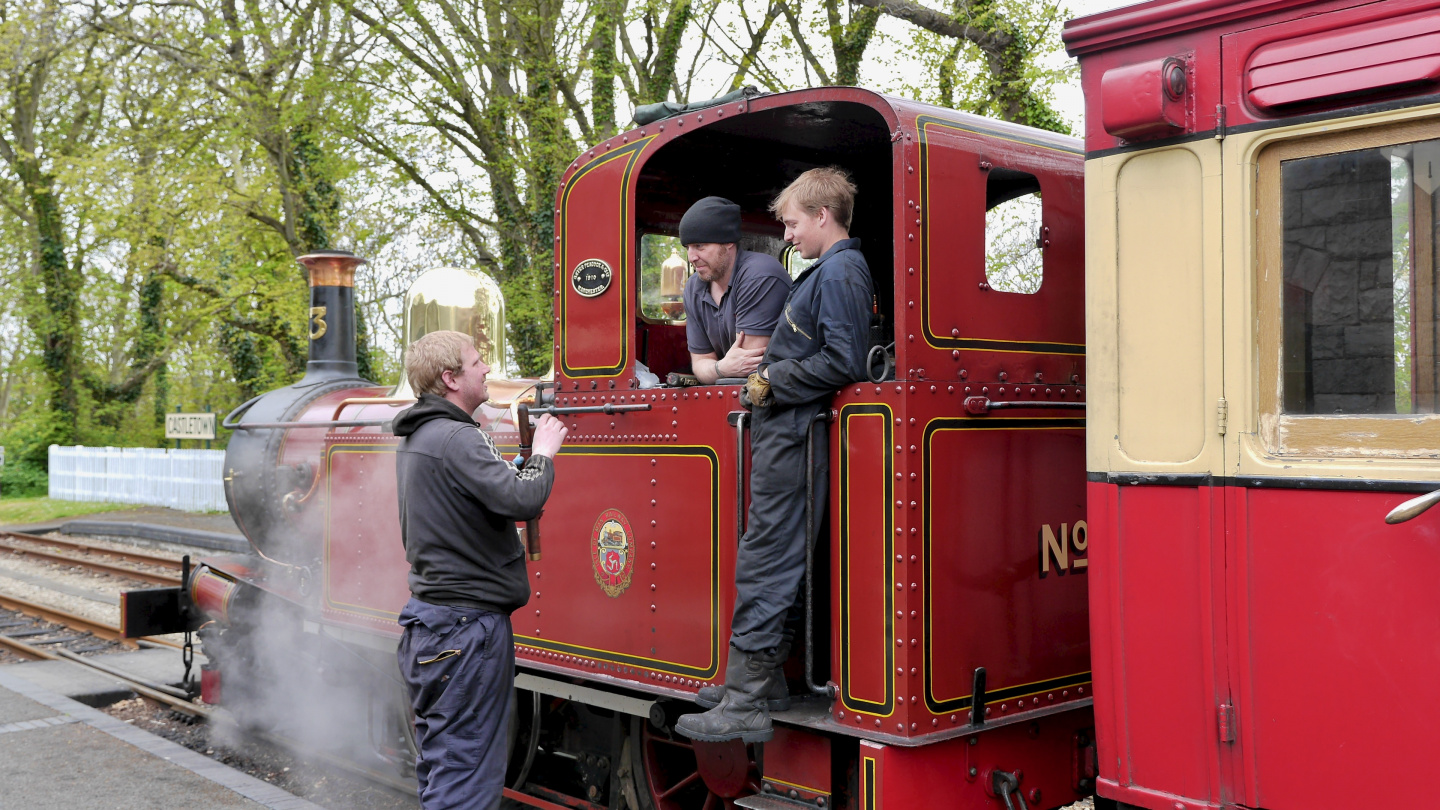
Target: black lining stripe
{"points": [[1260, 482], [945, 341], [869, 783], [636, 661], [977, 423], [623, 271], [851, 702], [1329, 115]]}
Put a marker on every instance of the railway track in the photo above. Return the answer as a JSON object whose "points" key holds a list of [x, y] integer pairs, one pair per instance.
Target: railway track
{"points": [[78, 554], [73, 621]]}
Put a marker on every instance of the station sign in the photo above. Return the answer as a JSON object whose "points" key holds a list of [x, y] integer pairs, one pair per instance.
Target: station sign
{"points": [[190, 426]]}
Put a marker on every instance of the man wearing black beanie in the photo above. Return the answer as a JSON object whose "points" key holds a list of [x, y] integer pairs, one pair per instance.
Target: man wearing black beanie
{"points": [[734, 297]]}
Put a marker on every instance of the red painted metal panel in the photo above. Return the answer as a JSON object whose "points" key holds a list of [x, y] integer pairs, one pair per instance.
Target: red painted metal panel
{"points": [[596, 205], [1137, 103], [1101, 510], [867, 589], [1373, 56], [1353, 52], [1164, 544], [1344, 644], [958, 312], [1347, 57], [365, 568], [1043, 752], [799, 760], [663, 612], [992, 488]]}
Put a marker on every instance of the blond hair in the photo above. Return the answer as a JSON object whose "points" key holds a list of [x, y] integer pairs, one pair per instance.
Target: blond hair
{"points": [[829, 187], [431, 356]]}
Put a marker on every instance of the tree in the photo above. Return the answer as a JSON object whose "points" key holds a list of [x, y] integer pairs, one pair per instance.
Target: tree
{"points": [[272, 69], [1008, 37]]}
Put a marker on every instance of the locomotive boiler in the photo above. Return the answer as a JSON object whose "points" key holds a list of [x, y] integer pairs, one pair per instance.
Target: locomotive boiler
{"points": [[946, 652]]}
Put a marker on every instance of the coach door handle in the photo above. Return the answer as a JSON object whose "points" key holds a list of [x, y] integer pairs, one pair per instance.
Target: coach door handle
{"points": [[1413, 507]]}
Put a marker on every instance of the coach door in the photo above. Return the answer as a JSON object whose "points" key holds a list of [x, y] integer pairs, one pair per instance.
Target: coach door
{"points": [[1334, 618]]}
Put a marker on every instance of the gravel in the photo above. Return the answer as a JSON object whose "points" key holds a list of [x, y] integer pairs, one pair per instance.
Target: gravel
{"points": [[315, 782]]}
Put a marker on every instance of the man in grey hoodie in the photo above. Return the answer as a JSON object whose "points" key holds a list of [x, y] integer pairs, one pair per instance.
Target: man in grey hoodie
{"points": [[459, 502]]}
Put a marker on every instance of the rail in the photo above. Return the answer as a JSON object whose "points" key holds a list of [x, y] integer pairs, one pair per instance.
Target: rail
{"points": [[74, 621], [93, 565]]}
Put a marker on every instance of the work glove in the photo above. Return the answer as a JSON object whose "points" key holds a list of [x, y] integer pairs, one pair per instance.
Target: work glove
{"points": [[757, 390]]}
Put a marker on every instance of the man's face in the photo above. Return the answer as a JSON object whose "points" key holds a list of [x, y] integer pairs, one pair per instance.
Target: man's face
{"points": [[469, 384], [712, 260], [803, 230]]}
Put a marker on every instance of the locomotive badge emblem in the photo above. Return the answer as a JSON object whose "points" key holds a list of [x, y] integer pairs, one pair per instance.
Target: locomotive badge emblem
{"points": [[591, 277], [612, 552]]}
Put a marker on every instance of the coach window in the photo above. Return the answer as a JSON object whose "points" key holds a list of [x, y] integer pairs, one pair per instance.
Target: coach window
{"points": [[1013, 258], [1349, 366]]}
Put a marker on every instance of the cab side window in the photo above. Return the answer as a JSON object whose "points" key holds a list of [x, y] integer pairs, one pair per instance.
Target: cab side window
{"points": [[1014, 261], [663, 272]]}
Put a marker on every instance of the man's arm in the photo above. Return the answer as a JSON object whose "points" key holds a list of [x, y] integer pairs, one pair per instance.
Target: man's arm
{"points": [[478, 468], [844, 322], [743, 358]]}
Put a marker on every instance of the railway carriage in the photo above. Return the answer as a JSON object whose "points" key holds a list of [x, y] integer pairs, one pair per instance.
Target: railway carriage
{"points": [[1261, 304]]}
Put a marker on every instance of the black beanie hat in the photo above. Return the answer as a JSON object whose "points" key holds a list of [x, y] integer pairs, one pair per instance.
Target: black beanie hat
{"points": [[713, 219]]}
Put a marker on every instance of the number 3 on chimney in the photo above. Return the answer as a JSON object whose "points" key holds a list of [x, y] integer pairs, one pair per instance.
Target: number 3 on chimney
{"points": [[317, 323]]}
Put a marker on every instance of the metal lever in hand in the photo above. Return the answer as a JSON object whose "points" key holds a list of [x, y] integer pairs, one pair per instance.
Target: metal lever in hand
{"points": [[527, 437]]}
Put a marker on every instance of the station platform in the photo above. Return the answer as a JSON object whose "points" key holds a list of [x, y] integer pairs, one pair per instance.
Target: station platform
{"points": [[56, 752]]}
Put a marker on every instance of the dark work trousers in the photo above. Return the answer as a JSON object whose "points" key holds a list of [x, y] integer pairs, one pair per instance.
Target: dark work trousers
{"points": [[459, 667], [770, 565]]}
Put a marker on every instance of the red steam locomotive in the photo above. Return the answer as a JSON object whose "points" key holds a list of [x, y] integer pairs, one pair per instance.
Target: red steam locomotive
{"points": [[1256, 275]]}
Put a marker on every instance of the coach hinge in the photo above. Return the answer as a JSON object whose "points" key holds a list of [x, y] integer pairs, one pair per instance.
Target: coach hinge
{"points": [[1227, 723], [1222, 415]]}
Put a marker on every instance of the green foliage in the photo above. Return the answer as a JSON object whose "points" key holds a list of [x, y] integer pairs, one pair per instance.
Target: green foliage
{"points": [[23, 479], [162, 164]]}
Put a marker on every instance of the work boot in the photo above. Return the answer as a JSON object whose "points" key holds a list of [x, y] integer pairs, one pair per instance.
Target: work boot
{"points": [[777, 694], [741, 713]]}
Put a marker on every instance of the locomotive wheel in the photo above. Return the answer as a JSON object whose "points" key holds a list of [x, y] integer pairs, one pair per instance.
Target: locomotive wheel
{"points": [[667, 775]]}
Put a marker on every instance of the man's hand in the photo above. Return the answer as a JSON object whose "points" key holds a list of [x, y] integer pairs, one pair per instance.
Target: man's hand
{"points": [[740, 361], [549, 435]]}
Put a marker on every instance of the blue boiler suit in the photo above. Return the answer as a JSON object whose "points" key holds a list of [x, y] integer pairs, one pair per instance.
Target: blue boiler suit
{"points": [[459, 502], [819, 346]]}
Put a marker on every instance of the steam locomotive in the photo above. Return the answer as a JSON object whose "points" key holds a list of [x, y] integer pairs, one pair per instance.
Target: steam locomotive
{"points": [[1254, 277]]}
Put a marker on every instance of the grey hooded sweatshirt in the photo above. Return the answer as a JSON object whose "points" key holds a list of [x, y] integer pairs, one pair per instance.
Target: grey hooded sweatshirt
{"points": [[459, 502]]}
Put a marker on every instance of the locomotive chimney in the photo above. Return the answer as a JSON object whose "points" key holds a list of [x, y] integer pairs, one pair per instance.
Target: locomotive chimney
{"points": [[332, 314]]}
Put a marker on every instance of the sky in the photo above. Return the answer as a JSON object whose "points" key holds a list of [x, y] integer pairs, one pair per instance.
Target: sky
{"points": [[1068, 99]]}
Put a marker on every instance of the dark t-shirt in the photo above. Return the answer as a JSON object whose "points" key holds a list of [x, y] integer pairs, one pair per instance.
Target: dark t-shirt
{"points": [[752, 304]]}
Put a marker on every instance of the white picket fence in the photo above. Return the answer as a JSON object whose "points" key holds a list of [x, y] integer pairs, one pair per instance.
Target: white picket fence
{"points": [[190, 480]]}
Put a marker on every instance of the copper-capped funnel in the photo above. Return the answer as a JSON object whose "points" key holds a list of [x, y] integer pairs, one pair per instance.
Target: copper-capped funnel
{"points": [[331, 268]]}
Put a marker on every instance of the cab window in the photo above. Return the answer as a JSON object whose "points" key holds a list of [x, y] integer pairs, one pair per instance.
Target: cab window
{"points": [[663, 272], [1014, 261]]}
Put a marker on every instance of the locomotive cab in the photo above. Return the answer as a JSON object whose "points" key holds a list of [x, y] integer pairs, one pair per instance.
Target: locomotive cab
{"points": [[749, 159]]}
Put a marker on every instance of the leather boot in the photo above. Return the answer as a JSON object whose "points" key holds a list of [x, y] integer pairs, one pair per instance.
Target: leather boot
{"points": [[742, 713], [777, 694]]}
